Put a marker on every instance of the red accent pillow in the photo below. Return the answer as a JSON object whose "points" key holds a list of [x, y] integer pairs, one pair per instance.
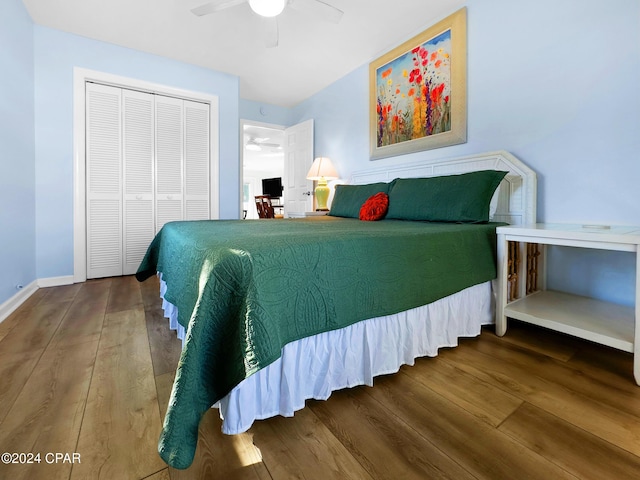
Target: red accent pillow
{"points": [[375, 208]]}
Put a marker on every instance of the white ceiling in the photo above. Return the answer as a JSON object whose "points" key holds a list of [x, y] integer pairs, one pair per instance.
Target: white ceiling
{"points": [[311, 54]]}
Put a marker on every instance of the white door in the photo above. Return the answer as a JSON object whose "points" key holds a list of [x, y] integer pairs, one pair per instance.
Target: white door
{"points": [[147, 163], [298, 157], [138, 132], [169, 160], [103, 177], [196, 161]]}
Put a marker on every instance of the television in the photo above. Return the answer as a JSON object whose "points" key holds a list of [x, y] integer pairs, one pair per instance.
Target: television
{"points": [[272, 187]]}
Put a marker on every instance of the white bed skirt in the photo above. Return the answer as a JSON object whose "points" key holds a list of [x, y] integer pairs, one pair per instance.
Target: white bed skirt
{"points": [[315, 366]]}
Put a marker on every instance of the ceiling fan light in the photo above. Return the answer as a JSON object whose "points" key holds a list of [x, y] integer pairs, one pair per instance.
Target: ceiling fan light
{"points": [[267, 8]]}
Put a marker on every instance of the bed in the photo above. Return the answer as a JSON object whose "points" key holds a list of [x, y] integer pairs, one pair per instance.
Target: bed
{"points": [[275, 312]]}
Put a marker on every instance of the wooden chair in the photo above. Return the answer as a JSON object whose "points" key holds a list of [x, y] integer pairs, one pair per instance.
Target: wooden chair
{"points": [[264, 207]]}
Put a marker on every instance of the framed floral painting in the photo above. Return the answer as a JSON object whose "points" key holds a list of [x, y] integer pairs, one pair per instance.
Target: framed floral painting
{"points": [[418, 91]]}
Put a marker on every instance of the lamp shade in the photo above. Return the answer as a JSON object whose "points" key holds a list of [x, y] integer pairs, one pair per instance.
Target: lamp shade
{"points": [[322, 168], [267, 8]]}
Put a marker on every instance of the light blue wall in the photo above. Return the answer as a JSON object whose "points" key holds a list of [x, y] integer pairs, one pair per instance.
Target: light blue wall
{"points": [[264, 113], [56, 54], [17, 157], [341, 122], [555, 82]]}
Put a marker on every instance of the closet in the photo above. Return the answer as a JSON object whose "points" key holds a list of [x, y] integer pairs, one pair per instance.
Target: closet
{"points": [[147, 163]]}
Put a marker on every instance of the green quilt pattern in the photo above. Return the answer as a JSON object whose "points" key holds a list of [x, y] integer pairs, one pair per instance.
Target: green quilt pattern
{"points": [[244, 289]]}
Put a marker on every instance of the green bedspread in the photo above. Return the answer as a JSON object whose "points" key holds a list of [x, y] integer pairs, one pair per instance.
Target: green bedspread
{"points": [[244, 289]]}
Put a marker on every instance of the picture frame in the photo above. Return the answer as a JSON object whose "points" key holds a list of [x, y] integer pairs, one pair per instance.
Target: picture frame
{"points": [[418, 91]]}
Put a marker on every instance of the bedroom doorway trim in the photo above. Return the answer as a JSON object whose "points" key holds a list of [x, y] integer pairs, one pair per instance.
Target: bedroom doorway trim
{"points": [[80, 77]]}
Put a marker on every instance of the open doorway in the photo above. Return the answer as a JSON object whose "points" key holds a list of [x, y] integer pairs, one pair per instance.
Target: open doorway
{"points": [[262, 165]]}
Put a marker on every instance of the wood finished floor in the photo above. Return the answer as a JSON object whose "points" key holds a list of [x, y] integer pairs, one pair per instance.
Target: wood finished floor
{"points": [[88, 368]]}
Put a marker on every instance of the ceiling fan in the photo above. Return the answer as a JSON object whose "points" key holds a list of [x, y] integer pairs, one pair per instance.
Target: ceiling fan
{"points": [[270, 9], [257, 143]]}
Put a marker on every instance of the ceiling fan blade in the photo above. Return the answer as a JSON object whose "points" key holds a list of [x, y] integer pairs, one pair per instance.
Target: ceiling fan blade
{"points": [[265, 143], [270, 26], [318, 8], [213, 7]]}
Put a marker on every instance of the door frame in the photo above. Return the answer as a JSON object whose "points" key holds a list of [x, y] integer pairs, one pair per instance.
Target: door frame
{"points": [[244, 122], [80, 77]]}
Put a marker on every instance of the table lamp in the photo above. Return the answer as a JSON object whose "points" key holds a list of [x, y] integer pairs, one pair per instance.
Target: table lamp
{"points": [[320, 171]]}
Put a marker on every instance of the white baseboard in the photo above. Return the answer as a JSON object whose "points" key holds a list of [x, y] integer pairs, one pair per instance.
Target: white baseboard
{"points": [[11, 305], [55, 281]]}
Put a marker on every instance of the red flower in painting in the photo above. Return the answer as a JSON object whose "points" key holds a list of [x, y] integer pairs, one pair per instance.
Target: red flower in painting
{"points": [[436, 93], [394, 123], [375, 208]]}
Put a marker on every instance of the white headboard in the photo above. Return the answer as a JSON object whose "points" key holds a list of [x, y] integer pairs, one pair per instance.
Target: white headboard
{"points": [[514, 201]]}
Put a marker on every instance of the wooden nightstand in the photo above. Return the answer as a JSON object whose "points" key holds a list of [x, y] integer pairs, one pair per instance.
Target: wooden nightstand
{"points": [[306, 214], [522, 292]]}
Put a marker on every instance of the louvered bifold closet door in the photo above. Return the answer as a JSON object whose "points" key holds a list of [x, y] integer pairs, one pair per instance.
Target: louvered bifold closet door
{"points": [[138, 136], [169, 160], [196, 161], [103, 181]]}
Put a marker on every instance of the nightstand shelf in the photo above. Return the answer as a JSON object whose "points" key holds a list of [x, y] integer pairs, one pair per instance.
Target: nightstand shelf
{"points": [[307, 214], [578, 316], [521, 298]]}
